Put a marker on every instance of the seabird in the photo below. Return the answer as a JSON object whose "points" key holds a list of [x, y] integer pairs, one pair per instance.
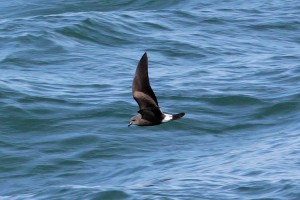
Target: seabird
{"points": [[149, 113]]}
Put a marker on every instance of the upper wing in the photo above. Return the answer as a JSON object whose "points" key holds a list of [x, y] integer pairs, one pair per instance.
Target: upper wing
{"points": [[141, 89], [153, 115]]}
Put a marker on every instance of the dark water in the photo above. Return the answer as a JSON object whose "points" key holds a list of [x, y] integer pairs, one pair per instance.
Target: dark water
{"points": [[65, 99]]}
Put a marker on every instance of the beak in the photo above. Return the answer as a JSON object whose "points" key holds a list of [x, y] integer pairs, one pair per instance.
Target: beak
{"points": [[129, 124]]}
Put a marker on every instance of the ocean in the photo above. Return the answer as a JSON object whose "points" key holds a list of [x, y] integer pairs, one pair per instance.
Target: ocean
{"points": [[66, 71]]}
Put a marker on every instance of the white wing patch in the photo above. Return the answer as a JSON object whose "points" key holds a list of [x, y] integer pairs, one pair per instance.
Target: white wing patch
{"points": [[167, 118]]}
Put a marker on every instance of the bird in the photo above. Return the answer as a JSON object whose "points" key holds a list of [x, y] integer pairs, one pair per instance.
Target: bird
{"points": [[150, 113]]}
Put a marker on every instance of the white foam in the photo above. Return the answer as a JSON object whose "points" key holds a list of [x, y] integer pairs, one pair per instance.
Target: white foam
{"points": [[15, 197]]}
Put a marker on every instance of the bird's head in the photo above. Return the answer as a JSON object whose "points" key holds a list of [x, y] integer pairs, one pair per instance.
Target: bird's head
{"points": [[135, 120]]}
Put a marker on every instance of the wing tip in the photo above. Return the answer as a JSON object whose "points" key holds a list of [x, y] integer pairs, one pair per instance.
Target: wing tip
{"points": [[144, 57], [143, 61]]}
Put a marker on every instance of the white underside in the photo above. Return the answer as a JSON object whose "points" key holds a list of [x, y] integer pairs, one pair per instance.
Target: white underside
{"points": [[167, 118]]}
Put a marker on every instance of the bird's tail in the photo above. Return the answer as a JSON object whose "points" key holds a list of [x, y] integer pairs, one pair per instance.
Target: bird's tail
{"points": [[178, 116]]}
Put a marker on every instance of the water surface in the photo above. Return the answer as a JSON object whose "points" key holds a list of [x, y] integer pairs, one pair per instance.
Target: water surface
{"points": [[65, 100]]}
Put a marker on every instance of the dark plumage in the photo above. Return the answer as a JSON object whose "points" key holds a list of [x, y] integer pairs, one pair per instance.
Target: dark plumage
{"points": [[149, 113]]}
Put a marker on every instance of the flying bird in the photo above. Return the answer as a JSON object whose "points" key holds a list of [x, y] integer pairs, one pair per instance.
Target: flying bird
{"points": [[149, 113]]}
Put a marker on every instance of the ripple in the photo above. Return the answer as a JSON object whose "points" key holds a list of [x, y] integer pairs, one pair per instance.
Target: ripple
{"points": [[65, 100], [237, 100]]}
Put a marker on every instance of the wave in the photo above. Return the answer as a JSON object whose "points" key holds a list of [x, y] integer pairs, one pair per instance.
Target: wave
{"points": [[30, 8], [65, 99]]}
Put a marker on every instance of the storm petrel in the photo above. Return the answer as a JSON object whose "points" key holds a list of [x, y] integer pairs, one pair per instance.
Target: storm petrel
{"points": [[149, 113]]}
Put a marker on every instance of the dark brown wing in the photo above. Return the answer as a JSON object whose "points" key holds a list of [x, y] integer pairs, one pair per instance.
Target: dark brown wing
{"points": [[141, 89], [154, 115]]}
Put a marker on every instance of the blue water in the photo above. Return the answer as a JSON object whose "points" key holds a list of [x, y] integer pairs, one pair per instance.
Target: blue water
{"points": [[65, 100]]}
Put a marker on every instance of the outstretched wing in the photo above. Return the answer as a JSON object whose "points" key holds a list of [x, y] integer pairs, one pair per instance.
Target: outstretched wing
{"points": [[153, 115], [141, 89]]}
